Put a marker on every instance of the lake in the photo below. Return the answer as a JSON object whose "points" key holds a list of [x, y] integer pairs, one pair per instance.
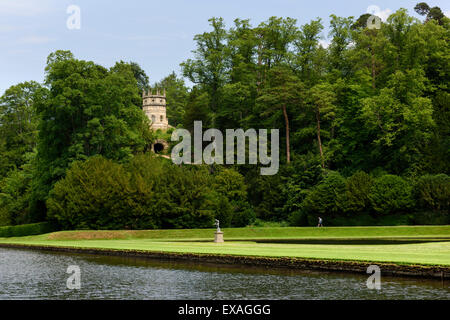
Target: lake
{"points": [[31, 275]]}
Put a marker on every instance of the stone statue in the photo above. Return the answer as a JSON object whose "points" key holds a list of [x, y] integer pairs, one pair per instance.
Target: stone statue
{"points": [[219, 234], [218, 225]]}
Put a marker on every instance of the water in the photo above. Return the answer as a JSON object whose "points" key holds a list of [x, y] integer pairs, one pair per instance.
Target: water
{"points": [[26, 274]]}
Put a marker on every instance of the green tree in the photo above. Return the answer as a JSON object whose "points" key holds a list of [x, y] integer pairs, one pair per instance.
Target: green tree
{"points": [[88, 110], [324, 198], [138, 73], [341, 37], [210, 67], [432, 192], [310, 56], [15, 190], [280, 97], [322, 102], [177, 97], [231, 184], [400, 120], [197, 109], [18, 125], [434, 13], [357, 195], [391, 194]]}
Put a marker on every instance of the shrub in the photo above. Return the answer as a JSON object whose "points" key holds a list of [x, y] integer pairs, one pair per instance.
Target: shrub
{"points": [[26, 230], [15, 192], [432, 192], [230, 184], [268, 197], [4, 217], [298, 219], [304, 173], [243, 218], [147, 193], [95, 194], [431, 218], [324, 199], [185, 197], [357, 194], [391, 194]]}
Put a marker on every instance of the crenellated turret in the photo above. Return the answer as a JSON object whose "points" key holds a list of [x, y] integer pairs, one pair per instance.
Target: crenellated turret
{"points": [[151, 93], [154, 106]]}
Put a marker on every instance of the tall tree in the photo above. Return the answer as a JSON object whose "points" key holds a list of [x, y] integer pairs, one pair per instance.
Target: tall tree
{"points": [[400, 120], [88, 110], [177, 96], [18, 125], [139, 74], [434, 13], [280, 98], [310, 57], [210, 67], [341, 38], [322, 101]]}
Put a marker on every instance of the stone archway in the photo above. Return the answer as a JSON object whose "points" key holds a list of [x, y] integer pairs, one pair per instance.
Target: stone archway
{"points": [[160, 146]]}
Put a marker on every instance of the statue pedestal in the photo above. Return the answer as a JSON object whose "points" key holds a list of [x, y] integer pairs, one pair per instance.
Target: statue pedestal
{"points": [[219, 237]]}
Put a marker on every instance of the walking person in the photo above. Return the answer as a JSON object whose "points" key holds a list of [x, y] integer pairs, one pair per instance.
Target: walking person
{"points": [[320, 223]]}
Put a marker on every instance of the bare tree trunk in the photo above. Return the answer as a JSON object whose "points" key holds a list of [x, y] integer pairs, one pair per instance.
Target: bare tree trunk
{"points": [[319, 140], [288, 143]]}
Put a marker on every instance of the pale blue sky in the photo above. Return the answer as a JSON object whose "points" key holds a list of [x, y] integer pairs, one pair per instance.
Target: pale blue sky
{"points": [[156, 34]]}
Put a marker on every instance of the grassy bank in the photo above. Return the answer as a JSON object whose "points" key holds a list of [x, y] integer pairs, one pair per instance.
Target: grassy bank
{"points": [[417, 246]]}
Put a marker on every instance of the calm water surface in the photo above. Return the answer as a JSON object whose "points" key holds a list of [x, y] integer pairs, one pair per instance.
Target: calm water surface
{"points": [[26, 274]]}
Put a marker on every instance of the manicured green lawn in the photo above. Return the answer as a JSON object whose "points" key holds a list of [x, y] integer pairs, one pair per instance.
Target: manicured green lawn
{"points": [[183, 241]]}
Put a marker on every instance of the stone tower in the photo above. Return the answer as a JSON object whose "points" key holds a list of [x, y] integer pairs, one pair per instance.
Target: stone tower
{"points": [[154, 107]]}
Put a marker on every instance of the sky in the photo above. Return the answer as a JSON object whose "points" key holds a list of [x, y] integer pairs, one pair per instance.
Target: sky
{"points": [[157, 34]]}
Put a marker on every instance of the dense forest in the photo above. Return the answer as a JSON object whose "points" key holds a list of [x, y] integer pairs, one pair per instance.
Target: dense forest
{"points": [[364, 127]]}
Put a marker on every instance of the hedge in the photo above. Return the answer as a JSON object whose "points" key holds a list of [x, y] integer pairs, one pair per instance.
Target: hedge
{"points": [[26, 230]]}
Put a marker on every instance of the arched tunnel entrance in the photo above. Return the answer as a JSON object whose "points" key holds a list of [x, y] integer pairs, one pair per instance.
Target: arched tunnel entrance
{"points": [[158, 148]]}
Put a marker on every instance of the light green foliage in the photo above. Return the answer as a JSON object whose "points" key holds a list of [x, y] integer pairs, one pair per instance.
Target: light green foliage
{"points": [[310, 56], [400, 119], [209, 68], [341, 38]]}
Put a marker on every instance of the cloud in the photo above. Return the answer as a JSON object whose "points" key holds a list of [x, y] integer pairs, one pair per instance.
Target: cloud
{"points": [[447, 13], [376, 11], [24, 7]]}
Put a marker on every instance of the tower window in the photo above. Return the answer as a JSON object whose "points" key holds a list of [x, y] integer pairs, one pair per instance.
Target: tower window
{"points": [[153, 119], [162, 118]]}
